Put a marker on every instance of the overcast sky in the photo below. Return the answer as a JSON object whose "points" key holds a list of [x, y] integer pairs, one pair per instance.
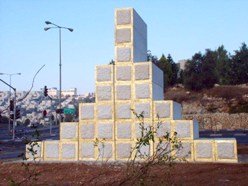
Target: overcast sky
{"points": [[178, 27]]}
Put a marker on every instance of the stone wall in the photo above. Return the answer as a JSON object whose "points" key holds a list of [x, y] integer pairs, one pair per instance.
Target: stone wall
{"points": [[219, 121]]}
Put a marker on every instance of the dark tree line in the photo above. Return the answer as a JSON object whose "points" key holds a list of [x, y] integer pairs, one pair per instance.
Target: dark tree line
{"points": [[202, 71]]}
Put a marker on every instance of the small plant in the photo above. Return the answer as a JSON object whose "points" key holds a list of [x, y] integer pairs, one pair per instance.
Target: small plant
{"points": [[30, 172], [140, 163]]}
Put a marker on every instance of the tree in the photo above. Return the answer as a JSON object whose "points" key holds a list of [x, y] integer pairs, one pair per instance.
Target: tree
{"points": [[174, 70], [239, 66], [208, 71], [192, 72], [223, 67]]}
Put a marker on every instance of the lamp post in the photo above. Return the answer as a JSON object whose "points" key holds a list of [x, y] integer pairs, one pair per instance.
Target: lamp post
{"points": [[58, 27], [10, 77]]}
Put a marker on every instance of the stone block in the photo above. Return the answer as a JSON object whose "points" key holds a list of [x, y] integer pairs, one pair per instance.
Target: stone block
{"points": [[69, 151], [204, 150], [124, 131], [123, 150], [104, 111], [185, 151], [141, 128], [157, 92], [51, 150], [104, 93], [143, 108], [162, 109], [157, 76], [123, 17], [142, 91], [34, 151], [167, 110], [68, 130], [105, 130], [87, 150], [105, 151], [123, 73], [123, 35], [123, 111], [123, 92], [87, 111], [87, 131], [226, 150], [162, 128], [103, 73], [186, 129], [123, 54], [142, 72]]}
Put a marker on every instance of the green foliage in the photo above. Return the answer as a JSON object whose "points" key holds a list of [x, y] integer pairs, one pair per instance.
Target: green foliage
{"points": [[204, 70], [165, 153], [239, 66], [170, 69]]}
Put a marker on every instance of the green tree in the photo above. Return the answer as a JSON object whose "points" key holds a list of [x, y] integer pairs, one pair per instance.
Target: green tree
{"points": [[223, 65], [170, 69], [192, 73], [208, 69], [239, 66]]}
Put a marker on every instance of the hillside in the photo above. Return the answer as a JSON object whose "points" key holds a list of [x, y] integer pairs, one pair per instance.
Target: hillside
{"points": [[221, 107]]}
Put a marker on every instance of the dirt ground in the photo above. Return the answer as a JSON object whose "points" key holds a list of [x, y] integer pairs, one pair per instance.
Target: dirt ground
{"points": [[116, 174]]}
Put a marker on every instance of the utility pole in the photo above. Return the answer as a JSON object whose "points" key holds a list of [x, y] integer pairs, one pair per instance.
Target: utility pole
{"points": [[14, 118]]}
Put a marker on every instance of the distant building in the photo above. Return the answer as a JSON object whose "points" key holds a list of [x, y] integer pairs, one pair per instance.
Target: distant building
{"points": [[53, 92], [182, 64], [70, 92]]}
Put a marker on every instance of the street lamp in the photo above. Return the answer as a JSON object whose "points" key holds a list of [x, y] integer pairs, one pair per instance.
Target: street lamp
{"points": [[58, 27], [10, 76]]}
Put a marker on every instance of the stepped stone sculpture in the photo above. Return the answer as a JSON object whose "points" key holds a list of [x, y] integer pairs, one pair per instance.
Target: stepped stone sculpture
{"points": [[130, 83]]}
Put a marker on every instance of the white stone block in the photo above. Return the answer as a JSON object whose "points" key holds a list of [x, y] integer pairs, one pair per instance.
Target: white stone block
{"points": [[104, 111], [69, 151], [105, 130], [105, 151], [123, 54], [157, 76], [123, 35], [123, 92], [142, 71], [163, 109], [68, 130], [185, 152], [123, 111], [124, 131], [204, 150], [157, 92], [123, 17], [87, 131], [104, 93], [226, 150], [143, 108], [87, 111], [123, 73], [51, 150], [186, 129], [167, 109], [123, 150], [87, 150], [162, 128], [103, 73], [142, 91]]}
